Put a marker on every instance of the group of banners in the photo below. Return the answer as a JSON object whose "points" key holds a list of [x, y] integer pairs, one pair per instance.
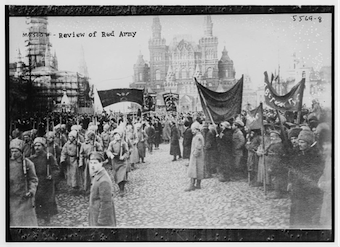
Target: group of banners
{"points": [[216, 106], [139, 96]]}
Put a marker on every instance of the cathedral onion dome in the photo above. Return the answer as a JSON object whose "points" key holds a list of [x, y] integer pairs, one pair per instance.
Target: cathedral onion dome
{"points": [[225, 57], [140, 60]]}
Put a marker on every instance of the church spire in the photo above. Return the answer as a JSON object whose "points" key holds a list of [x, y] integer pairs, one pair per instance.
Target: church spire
{"points": [[82, 68], [156, 28], [208, 26]]}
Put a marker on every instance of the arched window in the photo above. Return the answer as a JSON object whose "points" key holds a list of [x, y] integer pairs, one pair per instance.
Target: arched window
{"points": [[140, 77], [210, 72], [303, 74], [184, 74], [158, 74], [226, 73]]}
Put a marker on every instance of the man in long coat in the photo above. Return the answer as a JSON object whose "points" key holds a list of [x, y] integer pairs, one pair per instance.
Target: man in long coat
{"points": [[141, 137], [224, 148], [70, 159], [118, 152], [150, 132], [187, 139], [174, 141], [90, 145], [22, 188], [158, 132], [101, 209], [238, 145], [210, 148], [196, 163], [47, 171], [167, 131], [306, 169]]}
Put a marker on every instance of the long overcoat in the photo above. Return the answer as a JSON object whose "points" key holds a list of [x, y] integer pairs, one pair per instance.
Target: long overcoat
{"points": [[304, 174], [211, 153], [101, 209], [22, 211], [196, 163], [141, 143], [69, 156], [174, 141], [187, 139], [45, 201], [118, 148]]}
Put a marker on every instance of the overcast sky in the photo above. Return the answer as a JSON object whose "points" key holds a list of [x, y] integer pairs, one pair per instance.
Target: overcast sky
{"points": [[256, 43]]}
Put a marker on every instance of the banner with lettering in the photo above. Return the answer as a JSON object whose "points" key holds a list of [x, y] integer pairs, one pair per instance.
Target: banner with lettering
{"points": [[292, 101], [171, 101], [221, 106], [112, 96]]}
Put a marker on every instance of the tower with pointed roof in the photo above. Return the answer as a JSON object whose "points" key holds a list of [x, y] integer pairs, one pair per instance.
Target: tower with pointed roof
{"points": [[141, 72], [20, 65], [159, 57], [226, 70], [208, 44]]}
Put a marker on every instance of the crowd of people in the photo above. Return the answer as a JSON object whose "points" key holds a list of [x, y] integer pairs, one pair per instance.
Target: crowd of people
{"points": [[289, 159]]}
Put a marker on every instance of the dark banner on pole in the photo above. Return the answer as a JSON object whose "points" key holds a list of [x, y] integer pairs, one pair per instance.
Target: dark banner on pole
{"points": [[109, 97], [171, 101], [222, 106], [292, 101], [149, 102]]}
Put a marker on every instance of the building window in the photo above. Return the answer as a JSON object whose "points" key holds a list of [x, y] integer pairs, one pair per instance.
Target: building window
{"points": [[184, 74], [158, 86], [210, 72], [303, 74], [158, 74], [140, 77], [226, 73]]}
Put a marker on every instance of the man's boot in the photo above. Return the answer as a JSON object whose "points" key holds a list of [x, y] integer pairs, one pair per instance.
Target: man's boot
{"points": [[192, 185], [198, 184]]}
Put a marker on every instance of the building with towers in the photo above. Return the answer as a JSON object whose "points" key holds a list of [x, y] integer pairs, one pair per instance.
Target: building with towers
{"points": [[173, 66], [50, 85]]}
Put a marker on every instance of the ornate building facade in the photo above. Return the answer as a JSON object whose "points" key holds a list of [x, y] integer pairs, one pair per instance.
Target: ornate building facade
{"points": [[48, 83], [172, 67]]}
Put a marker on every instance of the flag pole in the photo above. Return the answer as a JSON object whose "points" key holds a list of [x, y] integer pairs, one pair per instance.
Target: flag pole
{"points": [[263, 148], [300, 103]]}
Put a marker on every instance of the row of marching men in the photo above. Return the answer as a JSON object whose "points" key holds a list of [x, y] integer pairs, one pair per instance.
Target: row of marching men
{"points": [[36, 167]]}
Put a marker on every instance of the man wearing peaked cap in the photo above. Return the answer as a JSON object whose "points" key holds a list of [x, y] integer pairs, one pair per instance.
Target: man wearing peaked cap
{"points": [[101, 209], [27, 149], [22, 188]]}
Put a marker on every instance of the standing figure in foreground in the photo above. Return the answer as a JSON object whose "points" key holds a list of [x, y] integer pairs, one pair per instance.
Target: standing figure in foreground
{"points": [[47, 171], [224, 148], [304, 174], [196, 163], [174, 141], [101, 210], [141, 142], [187, 139], [118, 152], [22, 188], [70, 160]]}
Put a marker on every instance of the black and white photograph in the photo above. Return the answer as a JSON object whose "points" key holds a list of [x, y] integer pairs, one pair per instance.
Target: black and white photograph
{"points": [[174, 119]]}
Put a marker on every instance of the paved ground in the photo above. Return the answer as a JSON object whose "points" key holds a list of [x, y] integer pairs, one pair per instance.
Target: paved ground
{"points": [[156, 199]]}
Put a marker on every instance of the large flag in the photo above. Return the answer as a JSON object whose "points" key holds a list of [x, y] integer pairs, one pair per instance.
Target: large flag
{"points": [[221, 106], [171, 101], [112, 96], [255, 118], [292, 101], [149, 102]]}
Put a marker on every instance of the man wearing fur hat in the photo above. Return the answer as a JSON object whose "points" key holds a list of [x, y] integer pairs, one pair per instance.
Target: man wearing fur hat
{"points": [[210, 151], [275, 163], [196, 163], [187, 139], [47, 170], [70, 159], [238, 145], [224, 147], [118, 152], [23, 183], [90, 145], [54, 149], [101, 208], [305, 171], [28, 147], [174, 141]]}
